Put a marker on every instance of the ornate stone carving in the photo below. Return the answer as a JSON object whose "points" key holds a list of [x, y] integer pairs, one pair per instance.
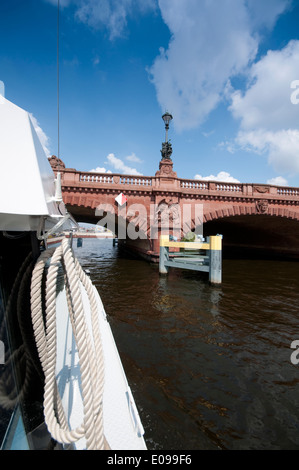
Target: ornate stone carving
{"points": [[168, 211], [166, 151], [262, 206], [261, 189], [166, 168], [56, 163]]}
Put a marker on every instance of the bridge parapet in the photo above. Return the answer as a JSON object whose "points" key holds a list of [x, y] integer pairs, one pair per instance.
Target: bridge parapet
{"points": [[288, 191], [96, 178], [170, 182], [70, 176], [194, 184], [239, 189], [109, 178], [211, 185]]}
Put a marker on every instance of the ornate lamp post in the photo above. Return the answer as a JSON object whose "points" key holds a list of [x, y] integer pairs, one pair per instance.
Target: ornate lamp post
{"points": [[167, 118], [166, 146]]}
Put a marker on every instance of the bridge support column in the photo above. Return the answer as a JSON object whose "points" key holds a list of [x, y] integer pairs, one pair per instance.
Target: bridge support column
{"points": [[215, 272], [164, 257]]}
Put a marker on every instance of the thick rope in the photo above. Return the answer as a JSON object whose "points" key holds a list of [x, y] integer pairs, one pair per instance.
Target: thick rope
{"points": [[88, 344]]}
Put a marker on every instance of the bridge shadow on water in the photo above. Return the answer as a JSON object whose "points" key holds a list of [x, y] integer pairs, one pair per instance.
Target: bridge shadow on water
{"points": [[257, 237]]}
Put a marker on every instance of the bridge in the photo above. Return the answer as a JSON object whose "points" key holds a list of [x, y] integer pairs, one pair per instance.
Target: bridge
{"points": [[253, 218]]}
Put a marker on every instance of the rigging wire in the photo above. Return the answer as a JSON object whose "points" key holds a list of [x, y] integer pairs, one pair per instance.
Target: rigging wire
{"points": [[58, 84]]}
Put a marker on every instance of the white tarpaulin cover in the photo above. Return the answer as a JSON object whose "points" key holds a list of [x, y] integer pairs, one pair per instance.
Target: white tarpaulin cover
{"points": [[27, 181]]}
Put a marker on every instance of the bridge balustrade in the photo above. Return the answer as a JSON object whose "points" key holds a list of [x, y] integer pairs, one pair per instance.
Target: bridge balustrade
{"points": [[95, 178], [202, 185], [194, 184], [71, 176], [288, 191], [139, 181], [89, 177], [229, 187]]}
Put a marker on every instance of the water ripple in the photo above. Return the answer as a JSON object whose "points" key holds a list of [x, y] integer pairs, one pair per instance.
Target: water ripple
{"points": [[209, 367]]}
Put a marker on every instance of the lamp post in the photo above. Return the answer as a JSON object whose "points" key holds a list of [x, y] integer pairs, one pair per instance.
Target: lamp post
{"points": [[166, 146], [167, 118]]}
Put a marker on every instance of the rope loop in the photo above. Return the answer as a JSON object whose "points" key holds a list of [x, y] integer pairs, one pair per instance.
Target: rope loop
{"points": [[88, 343]]}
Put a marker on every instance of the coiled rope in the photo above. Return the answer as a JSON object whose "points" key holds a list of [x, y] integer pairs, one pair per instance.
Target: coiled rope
{"points": [[88, 344]]}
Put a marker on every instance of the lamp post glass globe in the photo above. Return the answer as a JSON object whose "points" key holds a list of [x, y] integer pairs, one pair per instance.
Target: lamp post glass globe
{"points": [[167, 118]]}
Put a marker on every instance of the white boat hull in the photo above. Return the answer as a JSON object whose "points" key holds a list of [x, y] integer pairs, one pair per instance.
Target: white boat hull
{"points": [[122, 426]]}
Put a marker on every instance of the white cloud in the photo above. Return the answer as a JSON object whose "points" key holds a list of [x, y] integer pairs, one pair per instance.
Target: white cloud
{"points": [[280, 147], [267, 100], [208, 134], [110, 14], [100, 169], [96, 60], [278, 181], [44, 139], [267, 116], [133, 158], [222, 176], [265, 13], [107, 14], [210, 43], [191, 75], [120, 166], [98, 14]]}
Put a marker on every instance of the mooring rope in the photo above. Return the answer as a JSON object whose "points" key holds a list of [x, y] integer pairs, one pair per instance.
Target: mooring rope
{"points": [[88, 344]]}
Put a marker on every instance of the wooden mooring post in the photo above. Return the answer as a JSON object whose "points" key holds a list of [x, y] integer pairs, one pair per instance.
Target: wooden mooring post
{"points": [[210, 262]]}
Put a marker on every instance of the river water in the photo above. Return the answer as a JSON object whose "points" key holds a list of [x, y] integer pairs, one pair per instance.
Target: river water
{"points": [[209, 367]]}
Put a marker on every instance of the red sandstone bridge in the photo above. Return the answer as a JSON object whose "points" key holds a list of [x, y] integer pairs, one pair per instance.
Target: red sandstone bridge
{"points": [[255, 217]]}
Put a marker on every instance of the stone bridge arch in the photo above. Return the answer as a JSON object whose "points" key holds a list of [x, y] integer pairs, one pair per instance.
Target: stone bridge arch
{"points": [[248, 233], [249, 210], [131, 229]]}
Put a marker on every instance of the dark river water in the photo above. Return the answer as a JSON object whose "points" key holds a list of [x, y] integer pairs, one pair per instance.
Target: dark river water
{"points": [[209, 367]]}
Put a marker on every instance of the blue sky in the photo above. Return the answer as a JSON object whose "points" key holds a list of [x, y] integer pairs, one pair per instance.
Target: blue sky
{"points": [[223, 69]]}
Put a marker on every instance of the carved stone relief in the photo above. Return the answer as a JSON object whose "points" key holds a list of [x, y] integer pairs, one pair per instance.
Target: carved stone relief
{"points": [[167, 211], [261, 189], [262, 206]]}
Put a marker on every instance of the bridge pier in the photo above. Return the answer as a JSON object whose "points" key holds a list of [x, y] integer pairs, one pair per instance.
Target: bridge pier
{"points": [[163, 259], [211, 263], [215, 255]]}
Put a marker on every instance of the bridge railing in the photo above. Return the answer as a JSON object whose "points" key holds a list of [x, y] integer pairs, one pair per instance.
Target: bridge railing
{"points": [[236, 188], [194, 184], [109, 178], [71, 176], [135, 180], [211, 185], [95, 178], [246, 189], [288, 191]]}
